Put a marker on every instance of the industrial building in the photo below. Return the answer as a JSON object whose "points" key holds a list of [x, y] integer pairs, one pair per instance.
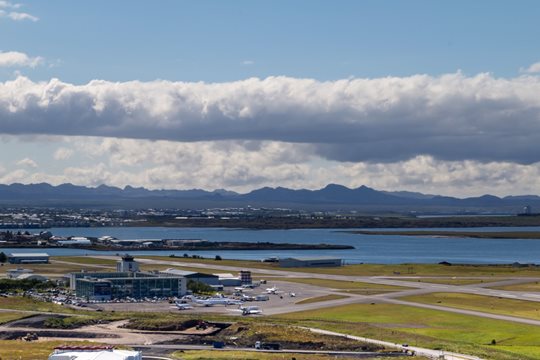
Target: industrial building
{"points": [[28, 258], [322, 261]]}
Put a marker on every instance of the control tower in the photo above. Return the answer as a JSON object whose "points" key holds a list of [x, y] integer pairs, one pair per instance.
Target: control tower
{"points": [[127, 264]]}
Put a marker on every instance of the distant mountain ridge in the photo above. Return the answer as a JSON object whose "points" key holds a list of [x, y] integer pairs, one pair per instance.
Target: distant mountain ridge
{"points": [[332, 196]]}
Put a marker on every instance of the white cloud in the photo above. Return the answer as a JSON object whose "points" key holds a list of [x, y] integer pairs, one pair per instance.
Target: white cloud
{"points": [[450, 117], [27, 162], [248, 62], [532, 69], [6, 11], [62, 154], [17, 16], [18, 59]]}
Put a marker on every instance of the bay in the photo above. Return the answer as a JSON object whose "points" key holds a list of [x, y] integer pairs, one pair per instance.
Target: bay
{"points": [[381, 249]]}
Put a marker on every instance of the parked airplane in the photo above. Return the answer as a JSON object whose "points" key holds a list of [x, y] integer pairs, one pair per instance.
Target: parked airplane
{"points": [[272, 290], [251, 310], [217, 301], [182, 306]]}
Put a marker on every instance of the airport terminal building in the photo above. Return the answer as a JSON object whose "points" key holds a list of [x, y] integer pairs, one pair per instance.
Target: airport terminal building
{"points": [[127, 282], [119, 285]]}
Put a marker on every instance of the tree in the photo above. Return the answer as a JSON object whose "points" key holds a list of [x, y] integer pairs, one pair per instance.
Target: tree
{"points": [[218, 257], [3, 257], [197, 287]]}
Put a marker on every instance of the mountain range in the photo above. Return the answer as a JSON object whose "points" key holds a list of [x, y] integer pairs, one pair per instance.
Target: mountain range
{"points": [[331, 197]]}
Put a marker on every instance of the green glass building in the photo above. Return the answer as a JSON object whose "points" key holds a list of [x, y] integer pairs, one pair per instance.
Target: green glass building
{"points": [[119, 285]]}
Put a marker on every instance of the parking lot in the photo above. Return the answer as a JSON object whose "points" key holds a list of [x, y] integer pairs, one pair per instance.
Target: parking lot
{"points": [[286, 294]]}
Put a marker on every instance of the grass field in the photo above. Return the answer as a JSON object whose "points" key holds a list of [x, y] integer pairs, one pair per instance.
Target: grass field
{"points": [[532, 287], [23, 350], [377, 269], [28, 304], [341, 285], [429, 328], [489, 304], [8, 316], [321, 298], [52, 269], [448, 281], [87, 260], [238, 355]]}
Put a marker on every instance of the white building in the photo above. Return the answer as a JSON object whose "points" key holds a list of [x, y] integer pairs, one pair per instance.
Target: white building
{"points": [[93, 353]]}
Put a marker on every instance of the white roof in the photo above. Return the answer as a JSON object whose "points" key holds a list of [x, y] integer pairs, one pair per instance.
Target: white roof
{"points": [[178, 272], [226, 276], [28, 254], [19, 270], [97, 355]]}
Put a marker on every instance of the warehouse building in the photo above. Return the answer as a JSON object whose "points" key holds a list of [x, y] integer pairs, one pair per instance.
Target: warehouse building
{"points": [[208, 279], [322, 261], [28, 258]]}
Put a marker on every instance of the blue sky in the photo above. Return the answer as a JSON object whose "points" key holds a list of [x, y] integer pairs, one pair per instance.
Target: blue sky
{"points": [[211, 40], [399, 95]]}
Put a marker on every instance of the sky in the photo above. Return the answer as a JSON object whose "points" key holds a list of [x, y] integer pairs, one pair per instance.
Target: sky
{"points": [[427, 96]]}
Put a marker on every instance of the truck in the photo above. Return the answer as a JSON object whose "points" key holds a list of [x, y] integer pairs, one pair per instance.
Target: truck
{"points": [[218, 344], [267, 346]]}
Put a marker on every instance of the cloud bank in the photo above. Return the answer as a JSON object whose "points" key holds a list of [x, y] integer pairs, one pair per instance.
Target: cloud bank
{"points": [[451, 117]]}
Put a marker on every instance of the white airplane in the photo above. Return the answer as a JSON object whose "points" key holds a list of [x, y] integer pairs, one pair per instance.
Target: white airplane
{"points": [[218, 301], [272, 290], [181, 306], [251, 310]]}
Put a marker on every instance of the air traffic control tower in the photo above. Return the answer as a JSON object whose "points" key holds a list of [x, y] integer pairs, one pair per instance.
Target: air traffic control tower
{"points": [[127, 264]]}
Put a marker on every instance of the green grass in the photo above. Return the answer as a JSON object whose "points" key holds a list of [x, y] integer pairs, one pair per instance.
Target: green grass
{"points": [[86, 260], [29, 304], [52, 269], [8, 316], [429, 328], [489, 304], [370, 269], [321, 298], [377, 269], [342, 285], [23, 350], [448, 281]]}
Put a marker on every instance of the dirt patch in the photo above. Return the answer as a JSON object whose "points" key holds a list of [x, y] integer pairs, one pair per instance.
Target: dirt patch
{"points": [[189, 327], [289, 337]]}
